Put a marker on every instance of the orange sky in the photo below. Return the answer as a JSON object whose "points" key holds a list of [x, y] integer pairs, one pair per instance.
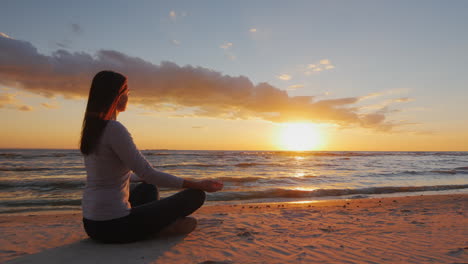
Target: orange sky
{"points": [[59, 128]]}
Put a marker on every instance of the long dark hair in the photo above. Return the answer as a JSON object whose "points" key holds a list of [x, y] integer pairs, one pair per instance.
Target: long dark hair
{"points": [[106, 88]]}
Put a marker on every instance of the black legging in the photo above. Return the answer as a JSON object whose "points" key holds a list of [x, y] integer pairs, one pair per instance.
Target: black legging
{"points": [[148, 215]]}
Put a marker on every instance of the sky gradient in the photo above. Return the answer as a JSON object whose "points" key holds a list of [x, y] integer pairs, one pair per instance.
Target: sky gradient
{"points": [[366, 75]]}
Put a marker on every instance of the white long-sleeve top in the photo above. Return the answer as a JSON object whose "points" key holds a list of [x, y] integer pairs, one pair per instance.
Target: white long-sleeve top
{"points": [[109, 169]]}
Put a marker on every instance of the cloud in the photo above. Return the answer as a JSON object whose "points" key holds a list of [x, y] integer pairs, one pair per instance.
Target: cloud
{"points": [[387, 92], [386, 102], [197, 91], [172, 15], [295, 86], [384, 107], [371, 95], [227, 52], [65, 44], [230, 56], [4, 35], [322, 65], [284, 77], [62, 45], [25, 108], [9, 101], [404, 100], [77, 29], [51, 106], [175, 42], [226, 45]]}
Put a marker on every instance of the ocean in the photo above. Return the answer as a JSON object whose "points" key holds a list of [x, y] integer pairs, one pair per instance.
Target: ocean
{"points": [[34, 180]]}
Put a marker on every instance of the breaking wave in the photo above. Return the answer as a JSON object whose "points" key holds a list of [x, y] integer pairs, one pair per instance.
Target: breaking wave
{"points": [[278, 193]]}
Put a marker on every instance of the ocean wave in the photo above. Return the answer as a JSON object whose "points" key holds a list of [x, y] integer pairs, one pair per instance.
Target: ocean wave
{"points": [[442, 153], [29, 156], [335, 154], [355, 153], [181, 165], [9, 155], [23, 209], [275, 194], [423, 172], [74, 184], [45, 185], [267, 180], [253, 164], [156, 154], [444, 171], [221, 165], [187, 153], [25, 169], [315, 153], [42, 169], [267, 154], [227, 179], [40, 202], [278, 193]]}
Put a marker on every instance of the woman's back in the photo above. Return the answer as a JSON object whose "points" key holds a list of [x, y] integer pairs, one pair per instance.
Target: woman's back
{"points": [[106, 193]]}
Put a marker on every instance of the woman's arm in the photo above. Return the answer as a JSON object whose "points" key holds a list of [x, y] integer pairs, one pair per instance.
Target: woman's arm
{"points": [[122, 143]]}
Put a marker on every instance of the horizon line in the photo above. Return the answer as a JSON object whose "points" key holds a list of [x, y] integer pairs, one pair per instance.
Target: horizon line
{"points": [[276, 150]]}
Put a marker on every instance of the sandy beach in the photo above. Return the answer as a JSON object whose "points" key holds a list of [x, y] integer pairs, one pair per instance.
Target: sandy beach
{"points": [[417, 229]]}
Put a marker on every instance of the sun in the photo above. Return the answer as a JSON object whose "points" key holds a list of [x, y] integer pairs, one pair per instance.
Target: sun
{"points": [[299, 137]]}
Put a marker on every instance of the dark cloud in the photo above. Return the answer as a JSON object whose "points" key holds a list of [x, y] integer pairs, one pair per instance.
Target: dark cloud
{"points": [[205, 91], [77, 29], [62, 45]]}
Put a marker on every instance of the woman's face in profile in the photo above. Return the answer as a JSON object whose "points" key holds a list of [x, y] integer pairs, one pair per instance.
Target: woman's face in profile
{"points": [[123, 100]]}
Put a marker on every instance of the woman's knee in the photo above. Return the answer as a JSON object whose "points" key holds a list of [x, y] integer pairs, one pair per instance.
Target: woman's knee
{"points": [[143, 193], [147, 187], [197, 196]]}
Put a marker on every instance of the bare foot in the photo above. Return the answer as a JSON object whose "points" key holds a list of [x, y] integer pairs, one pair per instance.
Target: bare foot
{"points": [[181, 226]]}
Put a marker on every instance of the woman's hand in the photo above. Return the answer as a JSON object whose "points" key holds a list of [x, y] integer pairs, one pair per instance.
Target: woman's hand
{"points": [[210, 185], [205, 185]]}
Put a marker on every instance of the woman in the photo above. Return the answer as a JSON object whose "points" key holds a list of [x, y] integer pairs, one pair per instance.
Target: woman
{"points": [[111, 213]]}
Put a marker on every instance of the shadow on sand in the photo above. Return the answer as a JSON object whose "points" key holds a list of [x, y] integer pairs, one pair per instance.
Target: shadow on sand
{"points": [[88, 251]]}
